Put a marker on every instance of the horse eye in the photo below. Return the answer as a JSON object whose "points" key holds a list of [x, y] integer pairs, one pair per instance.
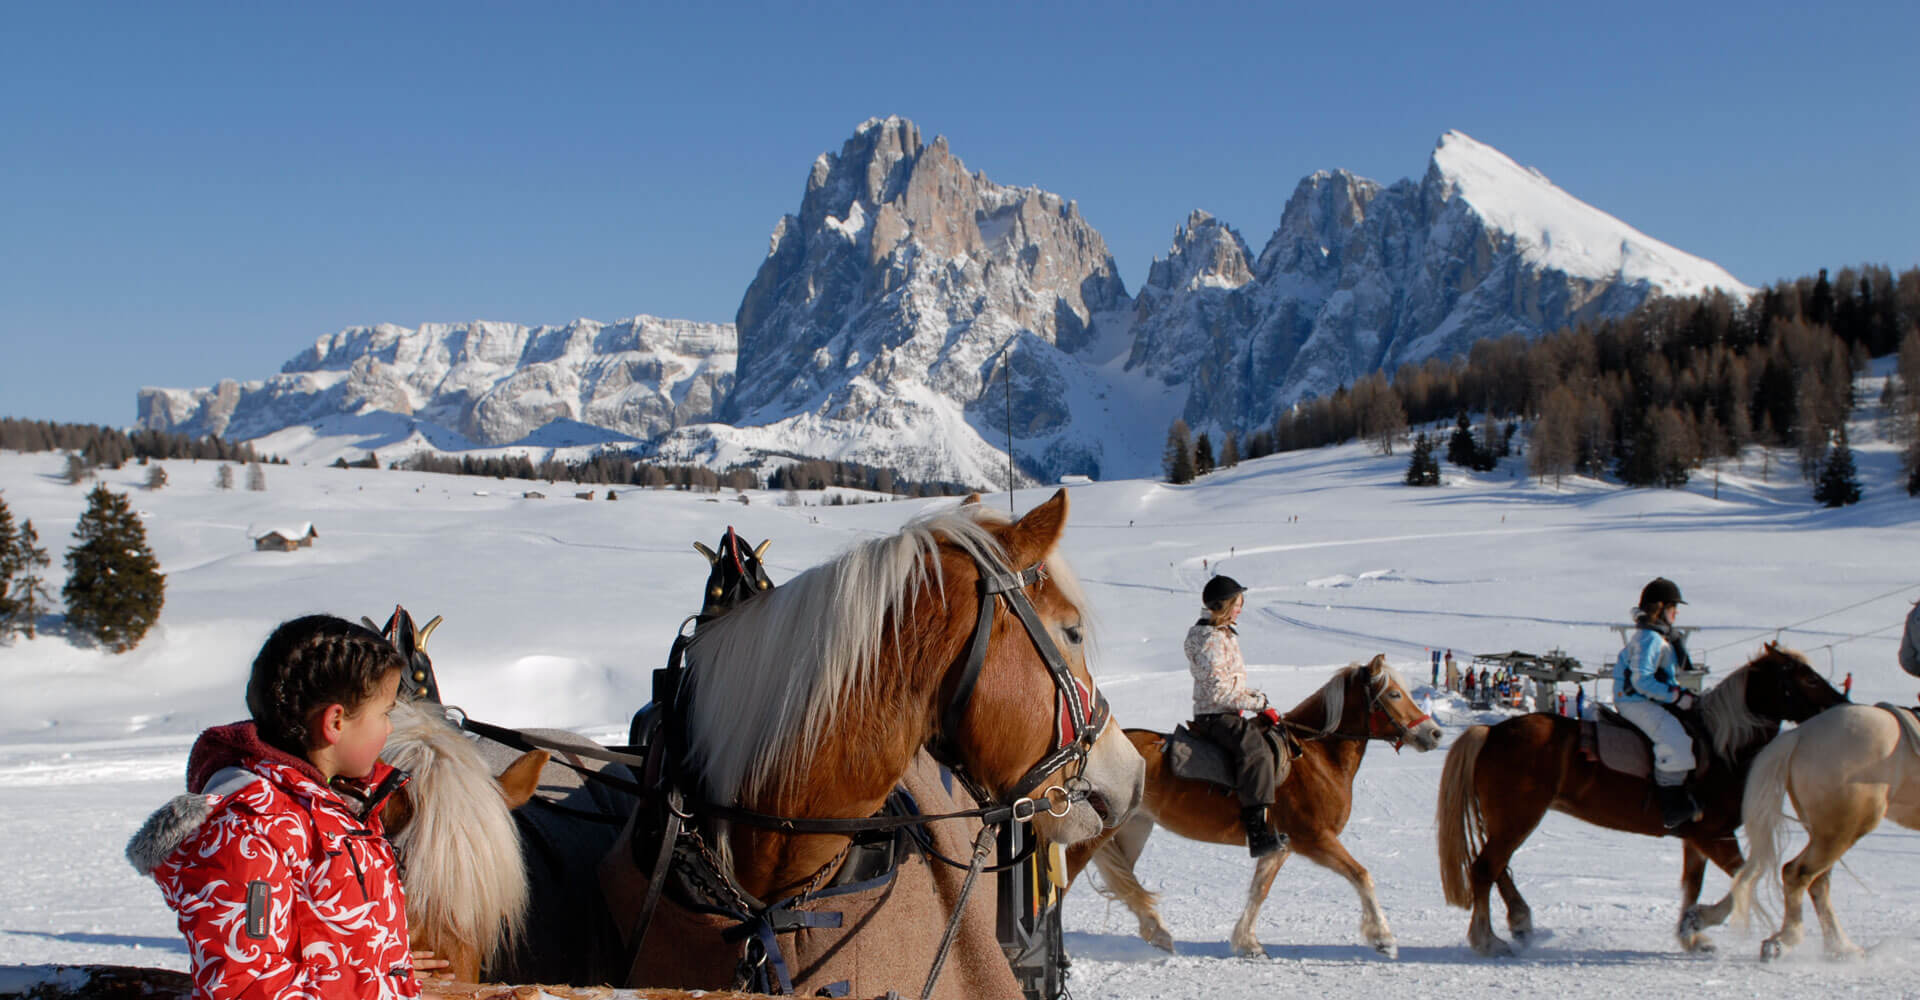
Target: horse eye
{"points": [[1072, 633]]}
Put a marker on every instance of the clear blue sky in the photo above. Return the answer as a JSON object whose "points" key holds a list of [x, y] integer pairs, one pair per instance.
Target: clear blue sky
{"points": [[190, 192]]}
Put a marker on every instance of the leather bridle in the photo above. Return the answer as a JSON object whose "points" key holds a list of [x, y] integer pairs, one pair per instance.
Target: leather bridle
{"points": [[1081, 714]]}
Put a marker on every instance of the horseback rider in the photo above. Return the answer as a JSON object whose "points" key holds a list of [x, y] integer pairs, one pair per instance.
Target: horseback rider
{"points": [[1645, 693], [1220, 695]]}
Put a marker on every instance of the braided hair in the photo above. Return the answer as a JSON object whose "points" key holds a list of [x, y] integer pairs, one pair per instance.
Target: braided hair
{"points": [[307, 664]]}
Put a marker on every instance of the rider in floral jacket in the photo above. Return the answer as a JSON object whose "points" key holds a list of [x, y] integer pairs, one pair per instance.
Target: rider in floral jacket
{"points": [[276, 864]]}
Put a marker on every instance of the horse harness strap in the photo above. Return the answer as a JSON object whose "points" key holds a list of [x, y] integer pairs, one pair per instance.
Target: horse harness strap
{"points": [[1083, 713]]}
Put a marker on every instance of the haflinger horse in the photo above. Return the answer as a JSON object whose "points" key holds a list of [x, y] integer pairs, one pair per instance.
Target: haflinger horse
{"points": [[1361, 703], [807, 707], [809, 704], [1500, 780], [1844, 770]]}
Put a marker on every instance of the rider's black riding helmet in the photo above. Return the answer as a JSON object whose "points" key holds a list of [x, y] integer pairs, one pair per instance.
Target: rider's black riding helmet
{"points": [[1660, 591], [1219, 591]]}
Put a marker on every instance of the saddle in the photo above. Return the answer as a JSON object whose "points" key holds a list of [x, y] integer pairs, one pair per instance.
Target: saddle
{"points": [[1619, 745], [1190, 757]]}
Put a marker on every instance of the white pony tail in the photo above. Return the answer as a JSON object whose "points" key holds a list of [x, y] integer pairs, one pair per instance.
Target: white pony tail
{"points": [[1762, 814]]}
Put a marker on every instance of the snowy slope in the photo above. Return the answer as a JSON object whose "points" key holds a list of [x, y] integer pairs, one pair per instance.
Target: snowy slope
{"points": [[556, 609]]}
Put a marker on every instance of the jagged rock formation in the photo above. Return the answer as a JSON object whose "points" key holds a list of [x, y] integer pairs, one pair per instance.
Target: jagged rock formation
{"points": [[912, 312], [490, 383], [885, 313], [1359, 277]]}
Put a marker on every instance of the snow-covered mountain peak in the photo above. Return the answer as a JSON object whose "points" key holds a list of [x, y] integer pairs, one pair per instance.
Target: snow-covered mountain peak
{"points": [[1556, 230]]}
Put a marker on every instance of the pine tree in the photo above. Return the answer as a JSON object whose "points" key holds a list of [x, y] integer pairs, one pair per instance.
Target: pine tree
{"points": [[114, 588], [1423, 469], [28, 597], [156, 476], [1203, 455], [1839, 483], [1230, 451], [1461, 450], [78, 470], [9, 566], [224, 477], [1177, 460], [257, 477]]}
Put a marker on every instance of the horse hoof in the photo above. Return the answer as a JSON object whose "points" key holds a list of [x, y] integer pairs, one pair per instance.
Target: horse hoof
{"points": [[1162, 940], [1769, 950], [1701, 946], [1690, 923], [1847, 954], [1493, 948], [1388, 948], [1249, 950]]}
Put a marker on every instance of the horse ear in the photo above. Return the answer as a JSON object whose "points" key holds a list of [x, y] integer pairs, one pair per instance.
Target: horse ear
{"points": [[972, 498], [522, 777], [1036, 534]]}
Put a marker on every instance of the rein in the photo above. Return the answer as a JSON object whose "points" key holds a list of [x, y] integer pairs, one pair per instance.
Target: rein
{"points": [[1309, 734]]}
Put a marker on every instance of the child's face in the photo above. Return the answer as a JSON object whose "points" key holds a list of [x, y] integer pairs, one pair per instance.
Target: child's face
{"points": [[364, 732]]}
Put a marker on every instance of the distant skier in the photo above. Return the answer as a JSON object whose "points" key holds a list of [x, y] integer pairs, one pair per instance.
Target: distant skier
{"points": [[1563, 704], [1580, 702], [1846, 685]]}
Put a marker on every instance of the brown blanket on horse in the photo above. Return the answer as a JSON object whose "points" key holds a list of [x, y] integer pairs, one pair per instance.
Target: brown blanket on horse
{"points": [[883, 938]]}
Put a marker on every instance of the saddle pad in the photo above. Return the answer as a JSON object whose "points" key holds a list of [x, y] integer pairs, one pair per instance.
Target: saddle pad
{"points": [[1909, 726], [1190, 757], [1619, 745], [1195, 759]]}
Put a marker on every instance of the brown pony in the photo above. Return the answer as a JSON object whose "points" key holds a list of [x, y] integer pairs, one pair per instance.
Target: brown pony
{"points": [[1359, 704], [1500, 780]]}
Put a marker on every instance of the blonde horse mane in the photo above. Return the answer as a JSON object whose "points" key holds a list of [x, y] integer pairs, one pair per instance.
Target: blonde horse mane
{"points": [[773, 674], [463, 872], [1333, 694]]}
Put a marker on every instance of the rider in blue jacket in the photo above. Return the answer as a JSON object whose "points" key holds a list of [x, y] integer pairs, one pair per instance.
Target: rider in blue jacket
{"points": [[1645, 692]]}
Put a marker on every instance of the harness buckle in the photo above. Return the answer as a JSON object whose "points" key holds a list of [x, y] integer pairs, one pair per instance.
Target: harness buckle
{"points": [[1024, 809]]}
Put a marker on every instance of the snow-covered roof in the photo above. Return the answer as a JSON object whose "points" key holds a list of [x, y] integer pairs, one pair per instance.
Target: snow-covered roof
{"points": [[294, 529]]}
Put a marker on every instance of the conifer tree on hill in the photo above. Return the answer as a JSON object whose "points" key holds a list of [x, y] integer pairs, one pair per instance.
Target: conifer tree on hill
{"points": [[27, 596], [9, 567], [114, 588], [1839, 483], [1177, 460], [1423, 469]]}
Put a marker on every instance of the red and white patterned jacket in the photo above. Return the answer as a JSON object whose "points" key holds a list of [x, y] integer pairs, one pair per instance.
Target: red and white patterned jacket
{"points": [[1219, 674], [282, 889]]}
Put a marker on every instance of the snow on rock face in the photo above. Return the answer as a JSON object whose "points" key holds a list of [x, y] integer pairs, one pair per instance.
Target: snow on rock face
{"points": [[1359, 277], [492, 383], [885, 312]]}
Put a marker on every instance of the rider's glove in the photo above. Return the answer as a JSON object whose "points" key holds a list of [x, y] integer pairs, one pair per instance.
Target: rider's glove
{"points": [[1272, 715], [1685, 701]]}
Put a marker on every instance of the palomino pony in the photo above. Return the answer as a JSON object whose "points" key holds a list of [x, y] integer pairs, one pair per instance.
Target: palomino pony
{"points": [[1500, 780], [1360, 703], [813, 701], [452, 829], [808, 705], [1844, 770]]}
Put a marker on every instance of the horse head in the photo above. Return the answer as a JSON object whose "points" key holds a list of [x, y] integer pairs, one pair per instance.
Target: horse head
{"points": [[737, 573], [811, 699], [1016, 730], [1392, 714], [465, 880], [1782, 685]]}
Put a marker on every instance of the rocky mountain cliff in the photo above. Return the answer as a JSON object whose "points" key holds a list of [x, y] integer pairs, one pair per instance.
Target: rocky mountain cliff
{"points": [[913, 314], [1359, 277], [487, 383]]}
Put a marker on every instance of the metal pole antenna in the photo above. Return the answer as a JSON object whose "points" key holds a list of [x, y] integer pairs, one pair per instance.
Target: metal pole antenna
{"points": [[1009, 377]]}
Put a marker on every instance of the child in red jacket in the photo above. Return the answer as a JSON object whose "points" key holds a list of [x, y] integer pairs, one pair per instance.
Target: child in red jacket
{"points": [[276, 863]]}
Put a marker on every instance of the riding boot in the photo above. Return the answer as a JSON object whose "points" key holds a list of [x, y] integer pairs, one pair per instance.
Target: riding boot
{"points": [[1676, 805], [1262, 839]]}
